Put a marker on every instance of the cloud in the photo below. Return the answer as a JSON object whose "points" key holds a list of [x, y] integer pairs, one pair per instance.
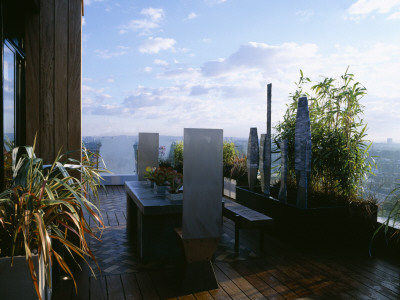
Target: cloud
{"points": [[160, 62], [305, 14], [394, 16], [107, 54], [93, 96], [191, 16], [214, 2], [90, 2], [365, 7], [147, 69], [152, 20], [261, 56], [155, 45], [230, 92]]}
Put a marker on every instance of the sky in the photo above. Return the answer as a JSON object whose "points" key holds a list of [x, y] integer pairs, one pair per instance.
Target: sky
{"points": [[161, 66]]}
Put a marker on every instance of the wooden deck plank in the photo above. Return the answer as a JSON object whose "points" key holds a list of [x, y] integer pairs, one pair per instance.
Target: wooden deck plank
{"points": [[112, 219], [282, 250], [114, 287], [164, 287], [263, 287], [346, 284], [309, 266], [386, 283], [187, 297], [310, 284], [120, 218], [203, 296], [229, 287], [131, 287], [267, 275], [240, 281], [98, 288], [219, 294], [146, 286]]}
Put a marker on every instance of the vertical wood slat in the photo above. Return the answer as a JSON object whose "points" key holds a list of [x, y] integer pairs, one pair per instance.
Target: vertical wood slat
{"points": [[74, 78], [32, 102], [61, 76], [47, 79]]}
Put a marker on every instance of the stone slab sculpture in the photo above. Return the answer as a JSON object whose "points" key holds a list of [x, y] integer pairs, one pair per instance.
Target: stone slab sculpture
{"points": [[202, 193], [284, 170], [267, 146], [261, 163], [147, 152], [202, 206], [303, 152], [252, 158]]}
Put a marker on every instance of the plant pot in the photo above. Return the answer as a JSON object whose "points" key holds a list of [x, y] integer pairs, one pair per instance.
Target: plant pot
{"points": [[150, 183], [175, 197], [160, 189], [16, 281]]}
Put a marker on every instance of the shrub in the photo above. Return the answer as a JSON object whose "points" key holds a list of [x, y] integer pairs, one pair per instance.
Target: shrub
{"points": [[228, 156], [239, 170], [340, 159], [178, 156]]}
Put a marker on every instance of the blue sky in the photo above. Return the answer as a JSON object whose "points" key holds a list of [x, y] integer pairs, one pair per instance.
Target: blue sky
{"points": [[161, 66]]}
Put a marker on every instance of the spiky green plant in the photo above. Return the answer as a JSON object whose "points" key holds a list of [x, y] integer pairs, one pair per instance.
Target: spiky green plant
{"points": [[48, 204]]}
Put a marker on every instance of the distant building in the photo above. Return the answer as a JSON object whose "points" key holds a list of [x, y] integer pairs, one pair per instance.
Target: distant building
{"points": [[389, 140]]}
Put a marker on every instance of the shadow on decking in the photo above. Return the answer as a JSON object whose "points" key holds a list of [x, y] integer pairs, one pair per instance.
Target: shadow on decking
{"points": [[282, 271]]}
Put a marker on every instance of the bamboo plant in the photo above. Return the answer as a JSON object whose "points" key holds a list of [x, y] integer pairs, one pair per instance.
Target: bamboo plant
{"points": [[340, 159], [48, 204]]}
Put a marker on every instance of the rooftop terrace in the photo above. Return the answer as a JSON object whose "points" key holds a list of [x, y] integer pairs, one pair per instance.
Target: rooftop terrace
{"points": [[282, 271]]}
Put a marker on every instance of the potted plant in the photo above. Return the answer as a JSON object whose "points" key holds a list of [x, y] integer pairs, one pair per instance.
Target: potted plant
{"points": [[43, 207], [175, 192], [160, 177]]}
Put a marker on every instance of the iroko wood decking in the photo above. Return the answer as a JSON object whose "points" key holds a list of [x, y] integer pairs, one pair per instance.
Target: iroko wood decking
{"points": [[282, 271]]}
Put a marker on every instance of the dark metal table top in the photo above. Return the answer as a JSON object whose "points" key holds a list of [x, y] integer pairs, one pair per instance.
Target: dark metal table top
{"points": [[148, 202]]}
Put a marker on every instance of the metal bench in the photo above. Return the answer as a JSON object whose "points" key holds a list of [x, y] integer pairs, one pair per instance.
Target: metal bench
{"points": [[245, 217]]}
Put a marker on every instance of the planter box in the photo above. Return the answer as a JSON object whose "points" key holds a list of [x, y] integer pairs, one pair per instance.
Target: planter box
{"points": [[175, 197], [320, 222], [16, 282], [230, 187], [362, 222]]}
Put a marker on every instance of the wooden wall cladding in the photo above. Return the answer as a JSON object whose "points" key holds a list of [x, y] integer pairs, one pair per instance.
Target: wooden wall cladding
{"points": [[53, 78]]}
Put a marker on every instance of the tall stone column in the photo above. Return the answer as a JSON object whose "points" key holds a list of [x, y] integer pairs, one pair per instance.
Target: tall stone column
{"points": [[261, 163], [267, 146], [252, 158], [284, 158], [303, 151]]}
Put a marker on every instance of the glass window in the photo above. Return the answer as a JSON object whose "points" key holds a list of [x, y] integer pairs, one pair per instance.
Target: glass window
{"points": [[8, 97]]}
